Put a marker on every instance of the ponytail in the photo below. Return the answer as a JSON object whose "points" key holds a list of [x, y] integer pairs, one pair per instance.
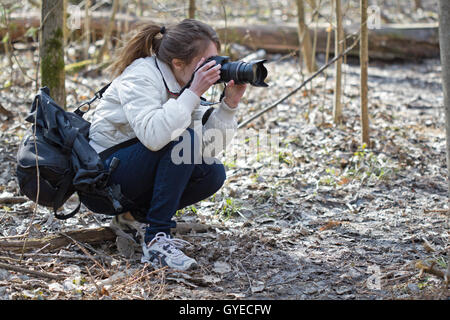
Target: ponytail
{"points": [[143, 44], [184, 41]]}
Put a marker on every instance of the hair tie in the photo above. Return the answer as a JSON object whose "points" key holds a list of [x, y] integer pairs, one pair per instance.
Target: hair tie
{"points": [[163, 30]]}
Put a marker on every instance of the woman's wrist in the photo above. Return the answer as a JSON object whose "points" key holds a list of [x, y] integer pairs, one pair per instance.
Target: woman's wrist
{"points": [[232, 104]]}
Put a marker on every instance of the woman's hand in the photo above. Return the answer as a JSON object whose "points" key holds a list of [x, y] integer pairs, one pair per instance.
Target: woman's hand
{"points": [[234, 93], [205, 77]]}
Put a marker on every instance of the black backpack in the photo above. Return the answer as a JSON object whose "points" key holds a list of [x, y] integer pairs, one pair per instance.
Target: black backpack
{"points": [[55, 159]]}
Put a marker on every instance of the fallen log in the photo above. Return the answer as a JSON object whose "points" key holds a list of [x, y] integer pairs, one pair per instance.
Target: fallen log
{"points": [[52, 242], [391, 41], [90, 236]]}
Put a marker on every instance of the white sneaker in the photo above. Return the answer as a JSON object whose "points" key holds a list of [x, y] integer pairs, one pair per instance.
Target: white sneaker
{"points": [[164, 251], [132, 230]]}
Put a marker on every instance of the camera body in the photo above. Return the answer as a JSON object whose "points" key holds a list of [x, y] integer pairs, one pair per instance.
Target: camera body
{"points": [[253, 72]]}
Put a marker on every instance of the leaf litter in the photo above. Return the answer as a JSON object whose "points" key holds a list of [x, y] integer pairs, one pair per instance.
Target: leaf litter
{"points": [[310, 227]]}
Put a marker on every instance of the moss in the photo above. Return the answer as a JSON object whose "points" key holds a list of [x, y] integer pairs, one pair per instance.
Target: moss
{"points": [[52, 61], [78, 66]]}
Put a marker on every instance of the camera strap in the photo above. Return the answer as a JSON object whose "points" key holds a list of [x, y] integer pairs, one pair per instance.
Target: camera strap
{"points": [[203, 101]]}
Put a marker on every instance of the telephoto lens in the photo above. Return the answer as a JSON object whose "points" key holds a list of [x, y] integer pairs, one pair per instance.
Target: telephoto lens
{"points": [[253, 72]]}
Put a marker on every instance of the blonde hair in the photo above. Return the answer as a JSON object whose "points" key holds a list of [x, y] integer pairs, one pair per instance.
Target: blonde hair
{"points": [[183, 41]]}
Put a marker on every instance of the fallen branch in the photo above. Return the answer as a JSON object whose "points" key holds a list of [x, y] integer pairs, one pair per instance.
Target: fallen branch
{"points": [[32, 272], [322, 69], [4, 200]]}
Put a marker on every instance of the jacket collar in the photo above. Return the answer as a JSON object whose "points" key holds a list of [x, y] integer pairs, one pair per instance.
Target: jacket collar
{"points": [[168, 76]]}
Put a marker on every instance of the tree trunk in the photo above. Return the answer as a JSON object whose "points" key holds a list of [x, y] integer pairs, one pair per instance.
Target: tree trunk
{"points": [[364, 62], [191, 9], [108, 31], [339, 47], [444, 36], [87, 29], [51, 49], [417, 4], [304, 38]]}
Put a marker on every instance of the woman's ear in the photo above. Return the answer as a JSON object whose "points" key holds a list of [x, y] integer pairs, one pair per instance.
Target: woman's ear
{"points": [[178, 64]]}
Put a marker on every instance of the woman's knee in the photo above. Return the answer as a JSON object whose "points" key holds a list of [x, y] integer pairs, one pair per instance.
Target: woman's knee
{"points": [[219, 175], [186, 148]]}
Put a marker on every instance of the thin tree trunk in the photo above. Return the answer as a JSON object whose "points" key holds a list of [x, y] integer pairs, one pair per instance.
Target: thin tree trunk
{"points": [[51, 49], [108, 31], [305, 37], [339, 47], [444, 36], [364, 62], [87, 29], [418, 4], [192, 9], [312, 4]]}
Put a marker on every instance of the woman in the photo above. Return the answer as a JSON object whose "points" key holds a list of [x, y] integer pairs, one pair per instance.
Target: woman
{"points": [[146, 100]]}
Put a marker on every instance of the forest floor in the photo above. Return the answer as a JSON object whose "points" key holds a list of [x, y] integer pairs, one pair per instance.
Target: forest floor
{"points": [[319, 217]]}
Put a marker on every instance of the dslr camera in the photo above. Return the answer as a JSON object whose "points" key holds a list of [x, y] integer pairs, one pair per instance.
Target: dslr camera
{"points": [[253, 72]]}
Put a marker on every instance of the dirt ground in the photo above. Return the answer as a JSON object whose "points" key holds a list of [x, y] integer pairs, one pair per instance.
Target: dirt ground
{"points": [[316, 216], [321, 217]]}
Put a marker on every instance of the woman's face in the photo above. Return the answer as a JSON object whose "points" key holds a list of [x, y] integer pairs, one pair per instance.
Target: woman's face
{"points": [[183, 73]]}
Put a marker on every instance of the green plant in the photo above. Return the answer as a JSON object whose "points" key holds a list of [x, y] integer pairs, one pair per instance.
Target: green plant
{"points": [[229, 208]]}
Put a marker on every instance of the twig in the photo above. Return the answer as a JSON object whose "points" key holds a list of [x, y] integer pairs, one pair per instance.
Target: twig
{"points": [[32, 272], [322, 69], [436, 210], [38, 187], [99, 292], [86, 253]]}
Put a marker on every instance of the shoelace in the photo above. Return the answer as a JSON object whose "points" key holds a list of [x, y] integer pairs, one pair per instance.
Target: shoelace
{"points": [[174, 242]]}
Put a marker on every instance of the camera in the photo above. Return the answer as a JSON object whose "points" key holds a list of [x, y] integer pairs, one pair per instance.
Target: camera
{"points": [[253, 72]]}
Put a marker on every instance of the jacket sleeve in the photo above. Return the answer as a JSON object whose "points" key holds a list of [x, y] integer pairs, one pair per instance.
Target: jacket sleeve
{"points": [[155, 123], [218, 130]]}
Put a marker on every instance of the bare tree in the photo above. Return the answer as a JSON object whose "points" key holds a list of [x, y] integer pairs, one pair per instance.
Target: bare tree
{"points": [[444, 41], [51, 49], [339, 48], [192, 9], [108, 32], [305, 38], [87, 31], [364, 62]]}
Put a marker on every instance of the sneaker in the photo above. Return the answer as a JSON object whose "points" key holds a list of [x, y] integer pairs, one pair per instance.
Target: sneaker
{"points": [[163, 250], [129, 229]]}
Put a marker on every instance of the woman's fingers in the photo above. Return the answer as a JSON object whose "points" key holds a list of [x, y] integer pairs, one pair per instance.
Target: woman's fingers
{"points": [[202, 60]]}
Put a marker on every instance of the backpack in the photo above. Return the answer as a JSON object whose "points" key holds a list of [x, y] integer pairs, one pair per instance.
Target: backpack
{"points": [[55, 159]]}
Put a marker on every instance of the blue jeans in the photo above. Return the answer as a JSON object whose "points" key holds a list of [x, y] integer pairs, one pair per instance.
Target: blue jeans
{"points": [[158, 187]]}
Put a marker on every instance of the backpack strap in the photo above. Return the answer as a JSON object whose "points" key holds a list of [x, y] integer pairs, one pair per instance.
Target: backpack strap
{"points": [[62, 191], [69, 215], [105, 154]]}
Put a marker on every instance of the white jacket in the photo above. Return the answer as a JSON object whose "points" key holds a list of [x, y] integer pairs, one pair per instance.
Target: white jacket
{"points": [[137, 104]]}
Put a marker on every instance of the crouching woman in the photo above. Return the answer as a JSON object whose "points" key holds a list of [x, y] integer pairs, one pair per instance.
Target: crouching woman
{"points": [[146, 101]]}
